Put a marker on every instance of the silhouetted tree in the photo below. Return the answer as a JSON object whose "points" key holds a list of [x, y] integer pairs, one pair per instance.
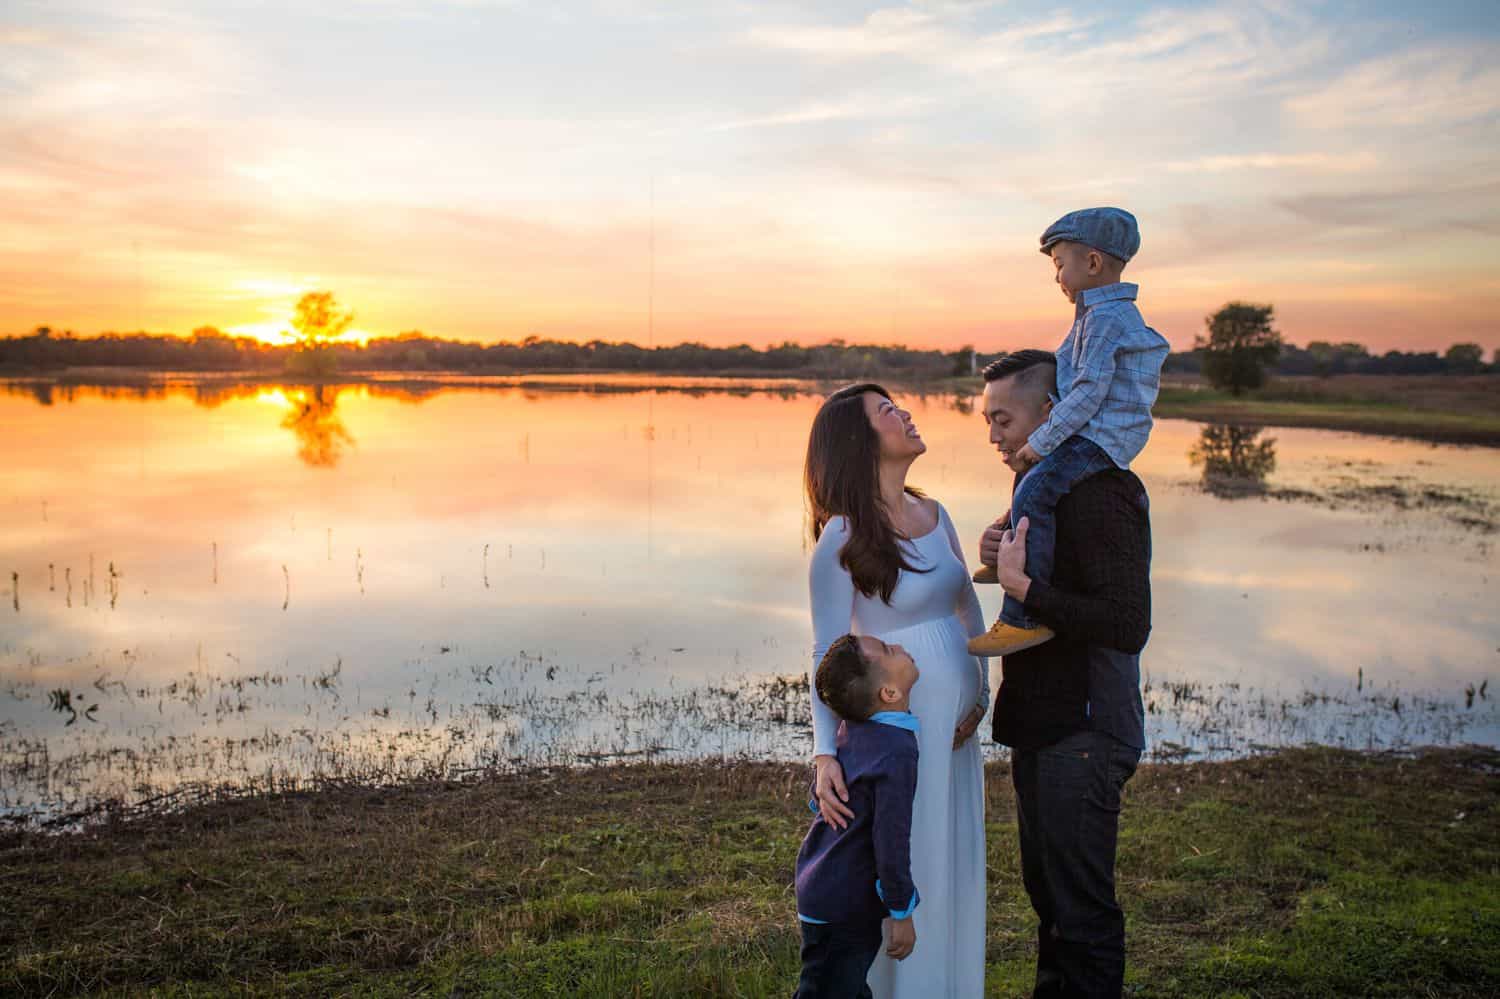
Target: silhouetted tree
{"points": [[1465, 358], [318, 323], [1239, 345], [963, 360]]}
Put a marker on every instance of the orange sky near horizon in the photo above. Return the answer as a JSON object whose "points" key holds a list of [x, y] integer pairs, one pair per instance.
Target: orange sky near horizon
{"points": [[729, 174]]}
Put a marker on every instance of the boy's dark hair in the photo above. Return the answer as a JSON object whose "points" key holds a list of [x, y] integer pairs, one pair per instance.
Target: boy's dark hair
{"points": [[847, 681], [1018, 361]]}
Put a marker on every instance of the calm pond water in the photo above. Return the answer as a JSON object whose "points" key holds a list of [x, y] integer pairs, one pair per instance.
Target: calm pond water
{"points": [[253, 585]]}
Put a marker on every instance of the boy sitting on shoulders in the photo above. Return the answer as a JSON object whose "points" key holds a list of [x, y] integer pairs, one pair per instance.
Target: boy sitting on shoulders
{"points": [[1108, 374]]}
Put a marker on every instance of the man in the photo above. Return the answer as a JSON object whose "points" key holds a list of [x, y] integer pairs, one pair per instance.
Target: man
{"points": [[1070, 709]]}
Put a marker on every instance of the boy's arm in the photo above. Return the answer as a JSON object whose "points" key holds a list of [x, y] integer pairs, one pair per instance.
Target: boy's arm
{"points": [[891, 833], [1112, 605], [1101, 338]]}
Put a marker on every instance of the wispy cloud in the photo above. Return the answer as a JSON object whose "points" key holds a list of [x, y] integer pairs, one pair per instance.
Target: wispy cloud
{"points": [[1173, 53], [901, 31], [1472, 207], [1433, 86], [1310, 162], [818, 112]]}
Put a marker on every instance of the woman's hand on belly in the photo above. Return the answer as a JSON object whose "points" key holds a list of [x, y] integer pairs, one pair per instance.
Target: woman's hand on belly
{"points": [[967, 727]]}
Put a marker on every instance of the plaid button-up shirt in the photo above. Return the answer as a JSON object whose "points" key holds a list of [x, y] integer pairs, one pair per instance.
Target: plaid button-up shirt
{"points": [[1108, 374]]}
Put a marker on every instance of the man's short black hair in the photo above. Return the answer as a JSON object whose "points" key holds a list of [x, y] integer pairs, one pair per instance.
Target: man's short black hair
{"points": [[847, 681], [1016, 362]]}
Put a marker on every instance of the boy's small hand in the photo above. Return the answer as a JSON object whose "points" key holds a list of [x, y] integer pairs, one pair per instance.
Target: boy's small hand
{"points": [[989, 541], [1027, 456], [901, 937]]}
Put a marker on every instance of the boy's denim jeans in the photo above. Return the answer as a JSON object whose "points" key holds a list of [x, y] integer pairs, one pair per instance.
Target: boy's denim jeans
{"points": [[1036, 498], [836, 957]]}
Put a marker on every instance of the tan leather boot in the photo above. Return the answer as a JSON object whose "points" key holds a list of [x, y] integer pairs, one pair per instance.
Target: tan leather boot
{"points": [[1002, 639]]}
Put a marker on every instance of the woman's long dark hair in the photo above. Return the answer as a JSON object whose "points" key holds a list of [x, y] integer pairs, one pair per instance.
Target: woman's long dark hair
{"points": [[842, 476]]}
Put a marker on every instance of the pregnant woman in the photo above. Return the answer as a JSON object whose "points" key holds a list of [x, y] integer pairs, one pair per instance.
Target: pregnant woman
{"points": [[887, 562]]}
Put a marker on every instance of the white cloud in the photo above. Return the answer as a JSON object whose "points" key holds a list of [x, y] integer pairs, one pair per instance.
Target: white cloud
{"points": [[1311, 162], [892, 31], [1431, 86], [831, 111], [1169, 54]]}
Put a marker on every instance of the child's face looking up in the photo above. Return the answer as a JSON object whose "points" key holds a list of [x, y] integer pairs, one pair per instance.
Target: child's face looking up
{"points": [[898, 672], [1080, 268]]}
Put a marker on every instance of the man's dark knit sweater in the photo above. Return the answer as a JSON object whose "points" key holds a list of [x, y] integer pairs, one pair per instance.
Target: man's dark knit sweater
{"points": [[1099, 603]]}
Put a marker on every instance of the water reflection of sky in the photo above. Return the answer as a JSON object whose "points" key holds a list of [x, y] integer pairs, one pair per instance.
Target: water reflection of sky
{"points": [[639, 543]]}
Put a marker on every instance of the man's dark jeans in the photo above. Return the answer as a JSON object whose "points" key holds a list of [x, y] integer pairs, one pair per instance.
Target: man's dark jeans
{"points": [[1035, 498], [836, 957], [1068, 811]]}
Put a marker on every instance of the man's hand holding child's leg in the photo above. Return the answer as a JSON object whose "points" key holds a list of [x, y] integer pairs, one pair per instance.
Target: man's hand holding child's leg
{"points": [[901, 936], [989, 548]]}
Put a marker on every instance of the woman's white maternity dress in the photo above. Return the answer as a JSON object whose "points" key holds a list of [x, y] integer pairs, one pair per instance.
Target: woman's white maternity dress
{"points": [[933, 615]]}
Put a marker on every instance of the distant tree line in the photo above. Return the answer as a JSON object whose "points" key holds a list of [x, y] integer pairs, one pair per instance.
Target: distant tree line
{"points": [[1322, 358], [209, 349]]}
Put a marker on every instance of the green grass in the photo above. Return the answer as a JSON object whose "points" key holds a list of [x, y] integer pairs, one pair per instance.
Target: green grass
{"points": [[1310, 873]]}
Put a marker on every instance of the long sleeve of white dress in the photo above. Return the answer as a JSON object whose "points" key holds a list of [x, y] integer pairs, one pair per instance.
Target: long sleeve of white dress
{"points": [[831, 592]]}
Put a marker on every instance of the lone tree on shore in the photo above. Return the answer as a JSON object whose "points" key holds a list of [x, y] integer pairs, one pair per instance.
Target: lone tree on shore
{"points": [[1239, 345], [1465, 358], [319, 322]]}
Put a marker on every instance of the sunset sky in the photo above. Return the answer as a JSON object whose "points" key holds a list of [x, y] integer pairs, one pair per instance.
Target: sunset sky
{"points": [[485, 170]]}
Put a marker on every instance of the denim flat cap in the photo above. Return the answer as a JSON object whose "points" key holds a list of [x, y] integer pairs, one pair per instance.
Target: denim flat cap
{"points": [[1109, 230]]}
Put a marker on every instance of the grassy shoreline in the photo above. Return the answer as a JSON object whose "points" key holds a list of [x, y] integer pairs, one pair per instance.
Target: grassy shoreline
{"points": [[1309, 872], [1442, 409]]}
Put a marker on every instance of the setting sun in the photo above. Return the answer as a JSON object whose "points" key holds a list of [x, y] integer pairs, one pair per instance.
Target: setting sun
{"points": [[279, 333]]}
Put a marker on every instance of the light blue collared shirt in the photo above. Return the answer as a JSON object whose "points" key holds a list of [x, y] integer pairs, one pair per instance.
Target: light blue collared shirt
{"points": [[900, 719], [1108, 375]]}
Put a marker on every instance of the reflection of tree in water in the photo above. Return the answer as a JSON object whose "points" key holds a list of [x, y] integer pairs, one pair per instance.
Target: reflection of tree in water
{"points": [[1235, 460], [321, 436]]}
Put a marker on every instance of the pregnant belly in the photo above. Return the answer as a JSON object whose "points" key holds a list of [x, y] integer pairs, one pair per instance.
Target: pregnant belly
{"points": [[948, 685]]}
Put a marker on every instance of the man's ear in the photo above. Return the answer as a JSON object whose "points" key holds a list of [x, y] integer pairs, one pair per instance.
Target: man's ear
{"points": [[888, 694]]}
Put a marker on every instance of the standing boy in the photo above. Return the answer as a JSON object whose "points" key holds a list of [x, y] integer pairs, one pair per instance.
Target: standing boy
{"points": [[851, 880]]}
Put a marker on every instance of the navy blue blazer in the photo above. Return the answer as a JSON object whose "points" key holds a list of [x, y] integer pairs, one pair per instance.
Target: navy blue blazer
{"points": [[863, 872]]}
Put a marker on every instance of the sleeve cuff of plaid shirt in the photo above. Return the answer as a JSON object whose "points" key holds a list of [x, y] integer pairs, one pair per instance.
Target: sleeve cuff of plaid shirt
{"points": [[1043, 444]]}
